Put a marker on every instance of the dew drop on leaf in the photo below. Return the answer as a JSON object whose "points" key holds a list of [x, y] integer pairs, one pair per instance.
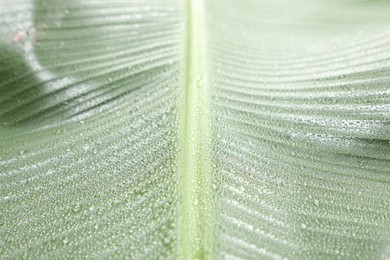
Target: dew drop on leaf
{"points": [[77, 207], [65, 241]]}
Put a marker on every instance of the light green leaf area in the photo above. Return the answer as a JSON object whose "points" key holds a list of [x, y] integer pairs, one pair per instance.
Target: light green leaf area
{"points": [[229, 129]]}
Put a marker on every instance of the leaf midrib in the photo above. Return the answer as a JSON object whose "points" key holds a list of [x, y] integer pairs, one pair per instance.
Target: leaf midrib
{"points": [[194, 172]]}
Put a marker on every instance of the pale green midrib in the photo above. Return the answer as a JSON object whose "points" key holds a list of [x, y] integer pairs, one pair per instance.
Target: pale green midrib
{"points": [[194, 175]]}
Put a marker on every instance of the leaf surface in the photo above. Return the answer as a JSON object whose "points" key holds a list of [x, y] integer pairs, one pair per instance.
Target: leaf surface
{"points": [[199, 129]]}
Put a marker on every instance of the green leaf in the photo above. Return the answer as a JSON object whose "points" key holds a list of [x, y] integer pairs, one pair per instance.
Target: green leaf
{"points": [[195, 129]]}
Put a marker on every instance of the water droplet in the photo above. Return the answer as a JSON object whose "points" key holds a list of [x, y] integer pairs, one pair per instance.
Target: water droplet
{"points": [[65, 241], [77, 207]]}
